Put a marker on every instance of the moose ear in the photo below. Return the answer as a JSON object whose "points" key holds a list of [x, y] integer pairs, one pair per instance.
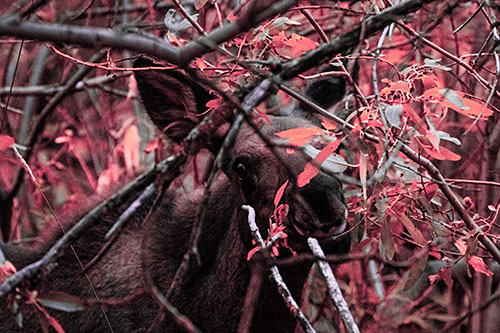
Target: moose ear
{"points": [[327, 91], [173, 101]]}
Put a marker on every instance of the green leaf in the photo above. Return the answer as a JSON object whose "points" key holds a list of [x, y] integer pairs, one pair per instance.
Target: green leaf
{"points": [[386, 244], [59, 300], [453, 98], [393, 115], [415, 272]]}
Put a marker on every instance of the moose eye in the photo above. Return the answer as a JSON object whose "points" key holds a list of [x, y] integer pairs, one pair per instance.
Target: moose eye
{"points": [[241, 170]]}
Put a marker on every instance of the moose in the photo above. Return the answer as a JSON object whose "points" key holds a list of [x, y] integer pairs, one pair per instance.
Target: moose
{"points": [[212, 296]]}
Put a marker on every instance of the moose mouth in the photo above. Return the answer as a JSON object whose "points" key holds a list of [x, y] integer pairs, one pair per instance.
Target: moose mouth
{"points": [[308, 229]]}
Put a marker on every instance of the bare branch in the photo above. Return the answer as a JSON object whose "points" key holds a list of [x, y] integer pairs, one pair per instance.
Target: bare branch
{"points": [[44, 90], [99, 37], [283, 289], [333, 288]]}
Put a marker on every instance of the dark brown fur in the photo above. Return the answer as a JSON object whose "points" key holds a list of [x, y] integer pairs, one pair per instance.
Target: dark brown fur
{"points": [[212, 296]]}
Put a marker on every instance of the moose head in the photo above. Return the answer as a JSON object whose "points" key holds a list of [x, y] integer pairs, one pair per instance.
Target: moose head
{"points": [[255, 166]]}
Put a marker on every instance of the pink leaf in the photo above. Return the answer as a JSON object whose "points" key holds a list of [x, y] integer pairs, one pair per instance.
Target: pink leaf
{"points": [[131, 144], [479, 266], [279, 194], [312, 167], [461, 246], [6, 142], [299, 136]]}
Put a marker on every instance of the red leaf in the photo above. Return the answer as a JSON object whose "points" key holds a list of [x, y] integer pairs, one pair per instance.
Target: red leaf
{"points": [[433, 278], [131, 146], [461, 246], [446, 275], [399, 86], [429, 82], [299, 136], [252, 252], [51, 320], [363, 170], [312, 167], [300, 43], [476, 108], [444, 154], [443, 274], [152, 145], [435, 253], [412, 115], [6, 270], [414, 232], [200, 64], [479, 266], [6, 142], [280, 214], [293, 46], [214, 103], [54, 323], [328, 124], [459, 102], [279, 194], [310, 171]]}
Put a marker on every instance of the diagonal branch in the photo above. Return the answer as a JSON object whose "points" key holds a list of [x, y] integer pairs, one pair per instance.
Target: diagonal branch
{"points": [[282, 287], [170, 166]]}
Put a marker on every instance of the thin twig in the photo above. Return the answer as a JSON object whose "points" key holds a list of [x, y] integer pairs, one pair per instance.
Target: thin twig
{"points": [[251, 298], [180, 319], [283, 289], [51, 89]]}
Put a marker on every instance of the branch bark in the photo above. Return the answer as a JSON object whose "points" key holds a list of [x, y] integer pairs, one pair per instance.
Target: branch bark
{"points": [[333, 288], [283, 289], [15, 26]]}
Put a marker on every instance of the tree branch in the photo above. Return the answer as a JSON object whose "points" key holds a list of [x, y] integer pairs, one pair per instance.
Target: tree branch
{"points": [[333, 288], [283, 289], [98, 37], [51, 89]]}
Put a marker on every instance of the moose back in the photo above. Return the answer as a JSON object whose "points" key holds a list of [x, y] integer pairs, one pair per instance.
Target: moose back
{"points": [[212, 295]]}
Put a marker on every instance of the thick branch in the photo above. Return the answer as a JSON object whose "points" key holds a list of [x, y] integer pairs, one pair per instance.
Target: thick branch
{"points": [[99, 37], [333, 288], [350, 39], [87, 36]]}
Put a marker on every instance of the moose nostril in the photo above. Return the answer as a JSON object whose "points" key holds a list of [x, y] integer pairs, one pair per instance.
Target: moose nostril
{"points": [[337, 226], [326, 228]]}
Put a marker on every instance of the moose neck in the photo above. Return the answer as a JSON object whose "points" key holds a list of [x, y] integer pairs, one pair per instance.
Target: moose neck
{"points": [[212, 294]]}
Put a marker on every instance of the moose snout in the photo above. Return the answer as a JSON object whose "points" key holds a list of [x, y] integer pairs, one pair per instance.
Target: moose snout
{"points": [[328, 211]]}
